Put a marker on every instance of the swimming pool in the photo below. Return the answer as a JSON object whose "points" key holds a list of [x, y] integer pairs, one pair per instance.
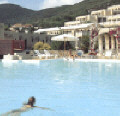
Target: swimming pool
{"points": [[69, 88]]}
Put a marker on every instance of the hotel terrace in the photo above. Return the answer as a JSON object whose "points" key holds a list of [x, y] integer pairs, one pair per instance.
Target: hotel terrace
{"points": [[107, 22]]}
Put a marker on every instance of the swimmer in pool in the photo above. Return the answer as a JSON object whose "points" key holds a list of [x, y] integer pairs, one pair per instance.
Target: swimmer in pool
{"points": [[31, 102], [25, 108]]}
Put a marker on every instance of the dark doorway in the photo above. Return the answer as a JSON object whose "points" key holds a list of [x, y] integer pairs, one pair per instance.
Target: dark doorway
{"points": [[25, 44], [1, 56], [110, 42]]}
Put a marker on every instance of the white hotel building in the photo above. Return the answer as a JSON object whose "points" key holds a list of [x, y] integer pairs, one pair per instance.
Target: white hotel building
{"points": [[107, 21]]}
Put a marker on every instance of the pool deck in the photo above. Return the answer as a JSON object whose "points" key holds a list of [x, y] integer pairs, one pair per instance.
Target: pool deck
{"points": [[65, 59], [84, 57]]}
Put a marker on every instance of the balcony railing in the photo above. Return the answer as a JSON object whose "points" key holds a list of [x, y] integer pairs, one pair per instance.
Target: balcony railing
{"points": [[110, 24], [115, 12]]}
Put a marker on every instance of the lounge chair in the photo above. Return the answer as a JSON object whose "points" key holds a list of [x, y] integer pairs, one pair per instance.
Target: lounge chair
{"points": [[37, 53], [79, 52], [48, 55], [108, 53]]}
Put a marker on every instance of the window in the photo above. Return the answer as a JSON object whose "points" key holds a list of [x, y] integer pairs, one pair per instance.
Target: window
{"points": [[104, 19], [46, 39], [118, 19], [20, 37], [32, 39]]}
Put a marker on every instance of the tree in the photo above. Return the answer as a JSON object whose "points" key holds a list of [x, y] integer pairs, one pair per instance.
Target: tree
{"points": [[96, 45], [59, 45], [85, 43]]}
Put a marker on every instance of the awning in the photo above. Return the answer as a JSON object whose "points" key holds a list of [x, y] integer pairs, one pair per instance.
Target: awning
{"points": [[64, 37], [47, 30], [103, 31], [80, 26]]}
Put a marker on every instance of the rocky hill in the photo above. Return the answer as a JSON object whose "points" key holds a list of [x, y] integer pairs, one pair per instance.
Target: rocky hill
{"points": [[11, 13]]}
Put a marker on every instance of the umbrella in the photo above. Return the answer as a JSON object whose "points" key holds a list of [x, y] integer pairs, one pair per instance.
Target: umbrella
{"points": [[64, 37]]}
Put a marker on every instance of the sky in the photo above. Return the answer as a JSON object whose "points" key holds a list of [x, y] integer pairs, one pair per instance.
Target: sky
{"points": [[40, 4]]}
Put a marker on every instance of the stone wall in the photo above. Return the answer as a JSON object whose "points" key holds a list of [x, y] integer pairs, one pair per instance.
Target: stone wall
{"points": [[1, 31], [30, 38]]}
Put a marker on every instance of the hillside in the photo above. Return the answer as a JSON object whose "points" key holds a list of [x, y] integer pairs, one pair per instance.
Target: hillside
{"points": [[10, 13]]}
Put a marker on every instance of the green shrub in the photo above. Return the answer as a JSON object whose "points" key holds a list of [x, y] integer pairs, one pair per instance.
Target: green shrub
{"points": [[85, 43], [46, 46], [38, 45], [41, 46]]}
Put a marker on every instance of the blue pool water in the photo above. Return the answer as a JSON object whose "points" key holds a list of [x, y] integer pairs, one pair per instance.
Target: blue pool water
{"points": [[68, 88]]}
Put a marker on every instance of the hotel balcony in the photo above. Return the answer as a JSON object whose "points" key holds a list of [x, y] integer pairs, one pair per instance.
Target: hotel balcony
{"points": [[110, 24], [71, 23], [99, 12], [114, 7], [116, 12], [101, 19], [78, 34], [83, 19], [113, 18]]}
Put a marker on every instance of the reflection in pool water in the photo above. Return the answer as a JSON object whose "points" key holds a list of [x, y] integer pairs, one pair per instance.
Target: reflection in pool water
{"points": [[70, 88]]}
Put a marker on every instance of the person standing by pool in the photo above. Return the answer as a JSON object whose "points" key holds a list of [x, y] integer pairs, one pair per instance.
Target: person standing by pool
{"points": [[70, 54]]}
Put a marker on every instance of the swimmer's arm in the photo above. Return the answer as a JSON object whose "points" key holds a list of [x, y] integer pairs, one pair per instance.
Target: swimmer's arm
{"points": [[43, 108]]}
